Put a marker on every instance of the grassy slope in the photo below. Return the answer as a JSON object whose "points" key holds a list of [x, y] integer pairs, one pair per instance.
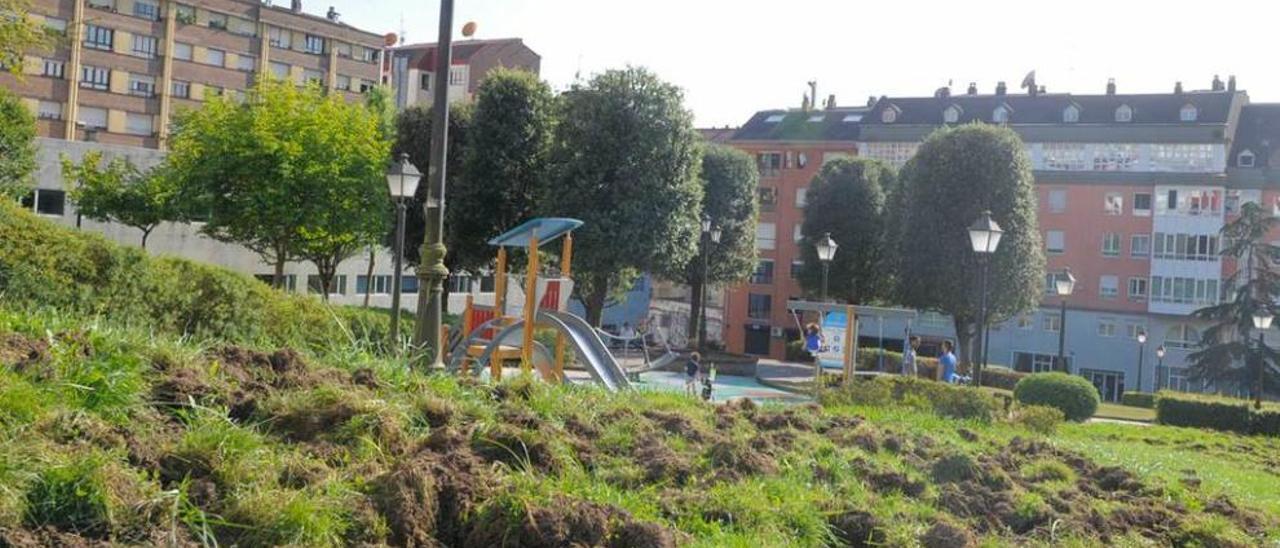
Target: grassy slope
{"points": [[115, 433]]}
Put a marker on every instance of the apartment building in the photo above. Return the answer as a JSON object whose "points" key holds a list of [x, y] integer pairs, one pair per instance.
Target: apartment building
{"points": [[412, 67], [1133, 190]]}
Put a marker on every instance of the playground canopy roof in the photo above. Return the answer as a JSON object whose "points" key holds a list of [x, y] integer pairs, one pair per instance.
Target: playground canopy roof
{"points": [[547, 228]]}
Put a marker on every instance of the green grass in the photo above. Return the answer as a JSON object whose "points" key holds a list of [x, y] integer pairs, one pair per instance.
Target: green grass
{"points": [[1107, 410]]}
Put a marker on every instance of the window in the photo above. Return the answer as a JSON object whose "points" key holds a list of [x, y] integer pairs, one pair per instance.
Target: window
{"points": [[138, 124], [817, 118], [1051, 323], [315, 286], [409, 284], [313, 44], [185, 14], [98, 37], [796, 235], [246, 62], [1182, 336], [56, 25], [243, 27], [1071, 114], [850, 118], [377, 285], [802, 159], [343, 83], [796, 268], [290, 281], [181, 89], [1186, 247], [1185, 157], [1106, 327], [364, 86], [895, 153], [425, 81], [367, 55], [49, 110], [802, 194], [1108, 286], [1057, 201], [1132, 330], [1031, 362], [218, 21], [146, 9], [279, 37], [1051, 282], [1113, 203], [457, 76], [216, 57], [142, 85], [759, 307], [102, 4], [95, 77], [342, 49], [1140, 245], [1188, 113], [1171, 200], [763, 274], [1138, 289], [827, 157], [1142, 204], [1025, 322], [1065, 157], [774, 118], [92, 118], [768, 197], [770, 163], [182, 51], [280, 70], [47, 202], [144, 46], [766, 236], [1179, 379], [1115, 157], [1111, 244], [889, 115], [312, 77], [54, 68], [1000, 115], [951, 115], [1055, 241], [1124, 114], [1177, 290], [1245, 159]]}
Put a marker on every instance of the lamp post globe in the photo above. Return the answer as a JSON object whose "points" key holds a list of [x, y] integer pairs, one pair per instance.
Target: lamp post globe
{"points": [[984, 236], [826, 248], [402, 182], [1160, 373], [1142, 353]]}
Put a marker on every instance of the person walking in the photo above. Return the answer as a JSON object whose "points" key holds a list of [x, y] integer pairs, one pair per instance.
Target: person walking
{"points": [[909, 357], [813, 339], [947, 363], [691, 368]]}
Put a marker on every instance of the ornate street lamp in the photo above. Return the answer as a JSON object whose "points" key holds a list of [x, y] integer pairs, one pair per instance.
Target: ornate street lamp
{"points": [[1261, 321], [1064, 285], [826, 248], [402, 181], [984, 235], [1142, 353], [1160, 373], [710, 235]]}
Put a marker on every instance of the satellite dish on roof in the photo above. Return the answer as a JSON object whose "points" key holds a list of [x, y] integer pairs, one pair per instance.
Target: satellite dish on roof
{"points": [[469, 29]]}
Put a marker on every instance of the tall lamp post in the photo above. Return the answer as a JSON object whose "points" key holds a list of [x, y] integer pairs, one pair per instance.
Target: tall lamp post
{"points": [[984, 235], [1142, 353], [826, 248], [1064, 284], [1261, 321], [431, 269], [402, 180], [1160, 374], [710, 236]]}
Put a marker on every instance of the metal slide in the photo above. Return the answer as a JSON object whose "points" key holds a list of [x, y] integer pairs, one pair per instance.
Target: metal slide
{"points": [[591, 349]]}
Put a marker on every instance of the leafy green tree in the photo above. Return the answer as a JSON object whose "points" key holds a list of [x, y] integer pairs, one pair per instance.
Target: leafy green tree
{"points": [[413, 137], [626, 162], [381, 104], [729, 181], [289, 173], [1229, 352], [19, 34], [505, 163], [848, 198], [119, 192], [17, 145], [957, 174]]}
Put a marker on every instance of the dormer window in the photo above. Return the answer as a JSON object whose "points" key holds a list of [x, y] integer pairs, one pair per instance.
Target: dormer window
{"points": [[774, 118], [889, 115], [1124, 114], [951, 115], [1245, 159], [850, 118], [1071, 114], [1188, 113], [817, 117], [1000, 115]]}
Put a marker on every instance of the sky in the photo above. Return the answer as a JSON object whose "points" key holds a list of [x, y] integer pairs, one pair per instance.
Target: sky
{"points": [[733, 58]]}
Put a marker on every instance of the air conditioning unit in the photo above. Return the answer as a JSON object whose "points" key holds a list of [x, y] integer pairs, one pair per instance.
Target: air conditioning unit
{"points": [[776, 332]]}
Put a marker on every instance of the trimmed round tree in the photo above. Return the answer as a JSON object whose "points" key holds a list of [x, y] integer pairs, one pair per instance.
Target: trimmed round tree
{"points": [[848, 198], [17, 146], [1074, 396], [958, 173]]}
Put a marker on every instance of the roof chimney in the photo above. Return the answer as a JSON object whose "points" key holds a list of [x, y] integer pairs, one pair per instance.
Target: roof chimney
{"points": [[831, 101], [1217, 84], [296, 6], [871, 100], [1177, 88], [1001, 89], [1231, 83], [942, 92], [973, 88], [1041, 90], [1111, 86]]}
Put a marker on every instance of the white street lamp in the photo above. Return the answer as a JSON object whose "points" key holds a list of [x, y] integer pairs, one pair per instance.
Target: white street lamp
{"points": [[984, 235], [1064, 283], [402, 181], [826, 248]]}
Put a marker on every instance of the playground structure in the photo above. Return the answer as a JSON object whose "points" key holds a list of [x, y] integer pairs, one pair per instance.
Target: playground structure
{"points": [[839, 324], [491, 335]]}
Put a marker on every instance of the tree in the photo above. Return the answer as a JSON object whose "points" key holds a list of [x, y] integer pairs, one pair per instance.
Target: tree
{"points": [[19, 34], [1229, 352], [289, 173], [17, 145], [626, 162], [848, 199], [729, 180], [413, 137], [505, 163], [957, 174], [383, 106], [121, 193]]}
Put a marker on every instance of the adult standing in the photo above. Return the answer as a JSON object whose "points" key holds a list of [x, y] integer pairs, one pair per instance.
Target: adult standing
{"points": [[909, 356], [947, 363]]}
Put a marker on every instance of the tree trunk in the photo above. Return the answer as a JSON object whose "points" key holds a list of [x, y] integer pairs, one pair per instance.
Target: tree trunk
{"points": [[968, 337], [326, 269], [145, 233], [696, 290], [368, 278], [277, 277], [596, 299]]}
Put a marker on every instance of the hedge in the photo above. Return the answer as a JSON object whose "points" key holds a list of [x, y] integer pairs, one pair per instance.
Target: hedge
{"points": [[44, 265], [998, 377], [1074, 396], [948, 400], [1145, 400], [1217, 413]]}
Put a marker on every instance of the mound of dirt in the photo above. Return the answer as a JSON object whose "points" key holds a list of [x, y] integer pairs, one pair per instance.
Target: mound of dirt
{"points": [[21, 352], [660, 462], [428, 499], [675, 423], [948, 535], [857, 529], [567, 522], [516, 448], [733, 460]]}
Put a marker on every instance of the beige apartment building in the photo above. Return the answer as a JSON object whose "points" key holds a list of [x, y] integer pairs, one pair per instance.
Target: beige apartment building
{"points": [[127, 65]]}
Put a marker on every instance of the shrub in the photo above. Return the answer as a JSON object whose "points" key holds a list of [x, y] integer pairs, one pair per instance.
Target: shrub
{"points": [[1144, 400], [1038, 418], [869, 360], [797, 353], [1266, 421], [948, 400], [1074, 396], [1217, 413], [999, 377]]}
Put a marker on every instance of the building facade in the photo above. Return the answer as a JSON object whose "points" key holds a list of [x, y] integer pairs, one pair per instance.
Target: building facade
{"points": [[1133, 191], [412, 68]]}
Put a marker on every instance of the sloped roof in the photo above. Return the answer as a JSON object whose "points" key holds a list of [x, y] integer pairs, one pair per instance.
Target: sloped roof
{"points": [[835, 124], [1213, 107], [1258, 132], [423, 56]]}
